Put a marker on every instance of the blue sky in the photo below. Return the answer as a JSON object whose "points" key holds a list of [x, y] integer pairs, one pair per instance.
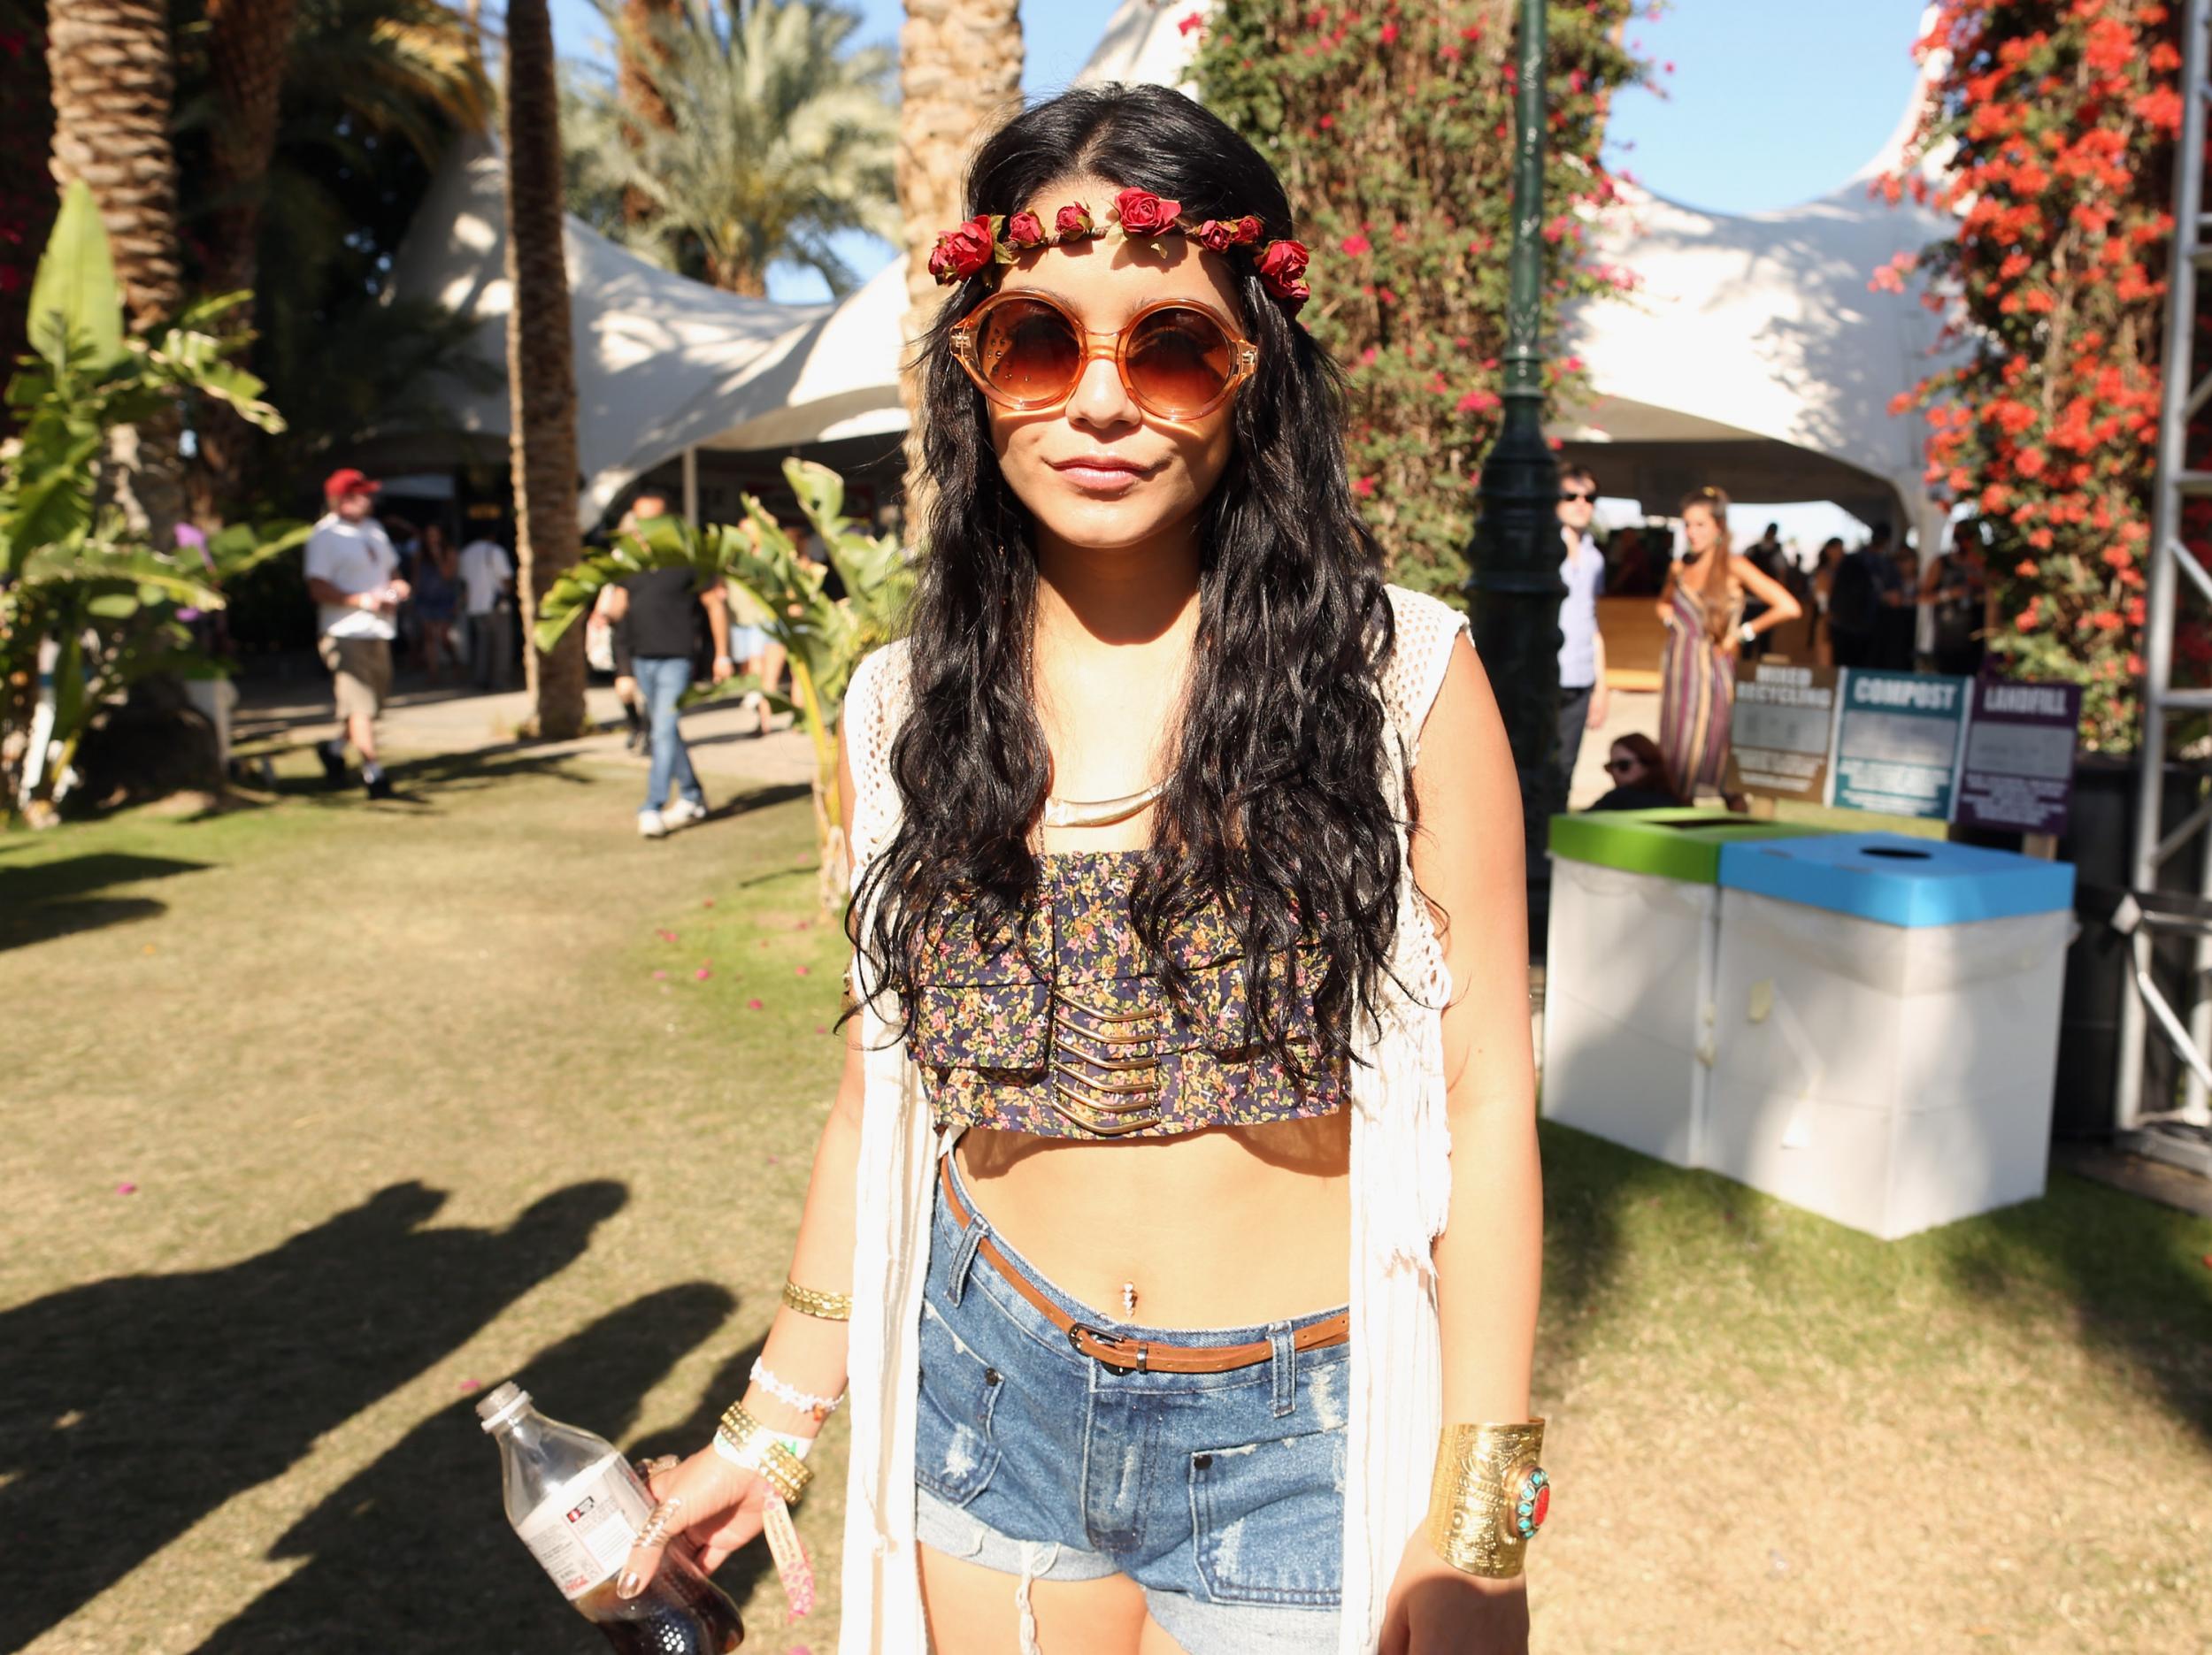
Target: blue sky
{"points": [[1743, 126]]}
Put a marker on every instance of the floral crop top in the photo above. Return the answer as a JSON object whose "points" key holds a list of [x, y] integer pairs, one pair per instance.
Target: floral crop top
{"points": [[1070, 1033]]}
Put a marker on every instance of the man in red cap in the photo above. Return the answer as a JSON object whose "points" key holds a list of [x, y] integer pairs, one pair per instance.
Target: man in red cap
{"points": [[352, 574]]}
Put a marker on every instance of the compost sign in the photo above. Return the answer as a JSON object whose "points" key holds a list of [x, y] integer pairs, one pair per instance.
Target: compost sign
{"points": [[2019, 768], [1898, 743], [1784, 730]]}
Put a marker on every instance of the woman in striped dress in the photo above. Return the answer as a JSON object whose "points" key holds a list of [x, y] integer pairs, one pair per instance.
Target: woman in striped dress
{"points": [[1703, 607]]}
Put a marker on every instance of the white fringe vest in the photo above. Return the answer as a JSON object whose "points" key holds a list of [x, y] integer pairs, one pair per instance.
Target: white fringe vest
{"points": [[1400, 1194]]}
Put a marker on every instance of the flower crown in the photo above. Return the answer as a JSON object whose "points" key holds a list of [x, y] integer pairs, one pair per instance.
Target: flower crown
{"points": [[990, 240]]}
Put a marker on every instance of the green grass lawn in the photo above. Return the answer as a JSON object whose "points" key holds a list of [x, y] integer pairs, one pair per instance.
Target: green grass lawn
{"points": [[323, 1116]]}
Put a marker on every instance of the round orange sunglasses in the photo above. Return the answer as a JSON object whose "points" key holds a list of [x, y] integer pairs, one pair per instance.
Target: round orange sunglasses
{"points": [[1177, 359]]}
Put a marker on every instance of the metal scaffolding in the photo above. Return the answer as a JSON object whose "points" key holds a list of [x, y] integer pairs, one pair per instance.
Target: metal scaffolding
{"points": [[2174, 1128]]}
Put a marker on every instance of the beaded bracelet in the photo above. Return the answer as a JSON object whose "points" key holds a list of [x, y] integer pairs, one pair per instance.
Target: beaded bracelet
{"points": [[799, 1401], [744, 1441]]}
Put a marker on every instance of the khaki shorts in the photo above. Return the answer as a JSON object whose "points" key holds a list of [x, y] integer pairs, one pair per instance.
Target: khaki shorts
{"points": [[361, 671]]}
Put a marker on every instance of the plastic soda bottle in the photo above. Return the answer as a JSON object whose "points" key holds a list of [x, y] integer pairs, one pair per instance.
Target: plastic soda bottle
{"points": [[577, 1504]]}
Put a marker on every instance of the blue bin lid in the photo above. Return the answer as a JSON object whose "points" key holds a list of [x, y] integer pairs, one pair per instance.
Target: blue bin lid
{"points": [[1896, 880]]}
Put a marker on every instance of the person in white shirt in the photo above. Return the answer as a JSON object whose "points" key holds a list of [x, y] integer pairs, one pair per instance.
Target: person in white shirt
{"points": [[1582, 697], [353, 576], [487, 585]]}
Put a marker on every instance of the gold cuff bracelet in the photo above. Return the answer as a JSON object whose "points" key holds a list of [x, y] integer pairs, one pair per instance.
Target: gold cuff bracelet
{"points": [[825, 1306], [1489, 1496]]}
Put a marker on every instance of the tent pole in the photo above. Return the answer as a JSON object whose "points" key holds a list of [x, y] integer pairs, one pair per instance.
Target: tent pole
{"points": [[691, 485]]}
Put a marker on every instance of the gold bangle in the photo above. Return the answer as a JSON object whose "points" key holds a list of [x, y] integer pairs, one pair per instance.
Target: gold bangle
{"points": [[825, 1306], [1489, 1496], [755, 1447]]}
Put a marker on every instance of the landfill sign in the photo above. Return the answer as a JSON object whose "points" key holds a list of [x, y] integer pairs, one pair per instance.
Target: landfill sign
{"points": [[1898, 743], [2019, 769], [1784, 730]]}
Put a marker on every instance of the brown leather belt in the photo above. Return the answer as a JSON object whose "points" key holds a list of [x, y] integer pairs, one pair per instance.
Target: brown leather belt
{"points": [[1135, 1355]]}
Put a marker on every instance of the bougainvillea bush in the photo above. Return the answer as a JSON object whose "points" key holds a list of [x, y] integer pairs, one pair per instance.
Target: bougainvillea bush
{"points": [[1391, 127], [2062, 117]]}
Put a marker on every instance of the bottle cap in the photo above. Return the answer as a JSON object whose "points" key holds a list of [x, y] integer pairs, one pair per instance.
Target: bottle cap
{"points": [[505, 1401]]}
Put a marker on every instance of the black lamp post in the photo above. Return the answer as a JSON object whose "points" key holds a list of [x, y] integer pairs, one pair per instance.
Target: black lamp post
{"points": [[1514, 590]]}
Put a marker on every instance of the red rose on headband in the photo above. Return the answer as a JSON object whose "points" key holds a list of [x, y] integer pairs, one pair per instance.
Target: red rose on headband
{"points": [[1145, 214], [1282, 266], [1072, 223], [1026, 229], [1248, 230], [1216, 237], [960, 253]]}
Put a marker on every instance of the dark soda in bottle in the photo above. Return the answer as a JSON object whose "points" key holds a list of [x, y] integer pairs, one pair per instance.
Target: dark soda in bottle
{"points": [[577, 1504]]}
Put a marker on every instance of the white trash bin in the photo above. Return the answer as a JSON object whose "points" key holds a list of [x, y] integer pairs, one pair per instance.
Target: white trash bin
{"points": [[1628, 971], [1887, 1024]]}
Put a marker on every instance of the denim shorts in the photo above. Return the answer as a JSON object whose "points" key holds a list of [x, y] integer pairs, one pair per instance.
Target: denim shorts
{"points": [[1221, 1495]]}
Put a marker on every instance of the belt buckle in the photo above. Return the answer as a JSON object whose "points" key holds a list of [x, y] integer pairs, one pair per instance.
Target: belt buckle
{"points": [[1076, 1329]]}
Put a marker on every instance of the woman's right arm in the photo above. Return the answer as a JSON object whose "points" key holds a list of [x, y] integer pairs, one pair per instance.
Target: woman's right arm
{"points": [[722, 1503]]}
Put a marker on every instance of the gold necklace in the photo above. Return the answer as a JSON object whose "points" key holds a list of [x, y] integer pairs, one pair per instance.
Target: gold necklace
{"points": [[1089, 813]]}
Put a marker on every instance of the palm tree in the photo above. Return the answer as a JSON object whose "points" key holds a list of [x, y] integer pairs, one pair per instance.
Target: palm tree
{"points": [[773, 142], [246, 42], [541, 374], [113, 88], [301, 112], [960, 72]]}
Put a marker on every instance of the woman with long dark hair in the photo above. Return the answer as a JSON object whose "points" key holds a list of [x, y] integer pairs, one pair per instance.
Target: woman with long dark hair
{"points": [[1703, 607], [1182, 1192]]}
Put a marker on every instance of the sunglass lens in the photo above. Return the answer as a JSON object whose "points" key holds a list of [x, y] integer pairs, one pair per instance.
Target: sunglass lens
{"points": [[1028, 352], [1575, 494], [1178, 360]]}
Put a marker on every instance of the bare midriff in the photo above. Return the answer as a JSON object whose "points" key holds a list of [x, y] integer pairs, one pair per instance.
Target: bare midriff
{"points": [[1226, 1227]]}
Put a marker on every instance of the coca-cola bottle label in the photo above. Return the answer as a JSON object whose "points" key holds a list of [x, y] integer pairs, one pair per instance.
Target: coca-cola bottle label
{"points": [[582, 1530]]}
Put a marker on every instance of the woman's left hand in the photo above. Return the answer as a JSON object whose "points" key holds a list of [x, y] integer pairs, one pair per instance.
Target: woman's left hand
{"points": [[1435, 1610]]}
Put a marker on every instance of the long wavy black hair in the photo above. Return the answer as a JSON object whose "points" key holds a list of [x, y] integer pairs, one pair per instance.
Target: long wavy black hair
{"points": [[1274, 809]]}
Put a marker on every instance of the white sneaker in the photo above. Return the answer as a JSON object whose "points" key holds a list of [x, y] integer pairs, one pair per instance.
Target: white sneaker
{"points": [[650, 825], [683, 813]]}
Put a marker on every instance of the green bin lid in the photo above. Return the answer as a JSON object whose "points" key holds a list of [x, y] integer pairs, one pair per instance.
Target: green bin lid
{"points": [[1678, 844]]}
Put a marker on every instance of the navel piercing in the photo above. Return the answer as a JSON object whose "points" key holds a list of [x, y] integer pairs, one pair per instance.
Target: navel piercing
{"points": [[1128, 1297]]}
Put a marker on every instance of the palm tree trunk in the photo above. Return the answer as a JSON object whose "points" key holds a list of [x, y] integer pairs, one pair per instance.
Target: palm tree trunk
{"points": [[633, 79], [114, 85], [247, 41], [540, 370], [960, 75]]}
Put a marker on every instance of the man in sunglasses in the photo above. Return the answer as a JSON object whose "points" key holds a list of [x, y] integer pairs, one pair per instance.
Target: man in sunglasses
{"points": [[1582, 698]]}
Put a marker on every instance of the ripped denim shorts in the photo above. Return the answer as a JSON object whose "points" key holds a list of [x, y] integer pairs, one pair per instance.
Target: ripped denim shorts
{"points": [[1221, 1495]]}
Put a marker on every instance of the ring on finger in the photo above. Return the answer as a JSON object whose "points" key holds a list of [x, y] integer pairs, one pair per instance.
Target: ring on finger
{"points": [[657, 1523], [659, 1463]]}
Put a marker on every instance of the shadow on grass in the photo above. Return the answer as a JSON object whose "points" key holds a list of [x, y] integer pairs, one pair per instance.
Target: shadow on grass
{"points": [[758, 799], [46, 900], [1588, 1184], [414, 1555], [2123, 1278], [418, 780], [136, 1405], [2136, 1273]]}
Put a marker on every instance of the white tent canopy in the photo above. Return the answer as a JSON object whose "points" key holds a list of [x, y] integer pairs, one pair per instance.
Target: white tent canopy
{"points": [[662, 362], [1754, 355]]}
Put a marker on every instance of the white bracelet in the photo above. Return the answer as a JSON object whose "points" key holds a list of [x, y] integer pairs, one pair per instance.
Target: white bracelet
{"points": [[792, 1397], [800, 1447]]}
